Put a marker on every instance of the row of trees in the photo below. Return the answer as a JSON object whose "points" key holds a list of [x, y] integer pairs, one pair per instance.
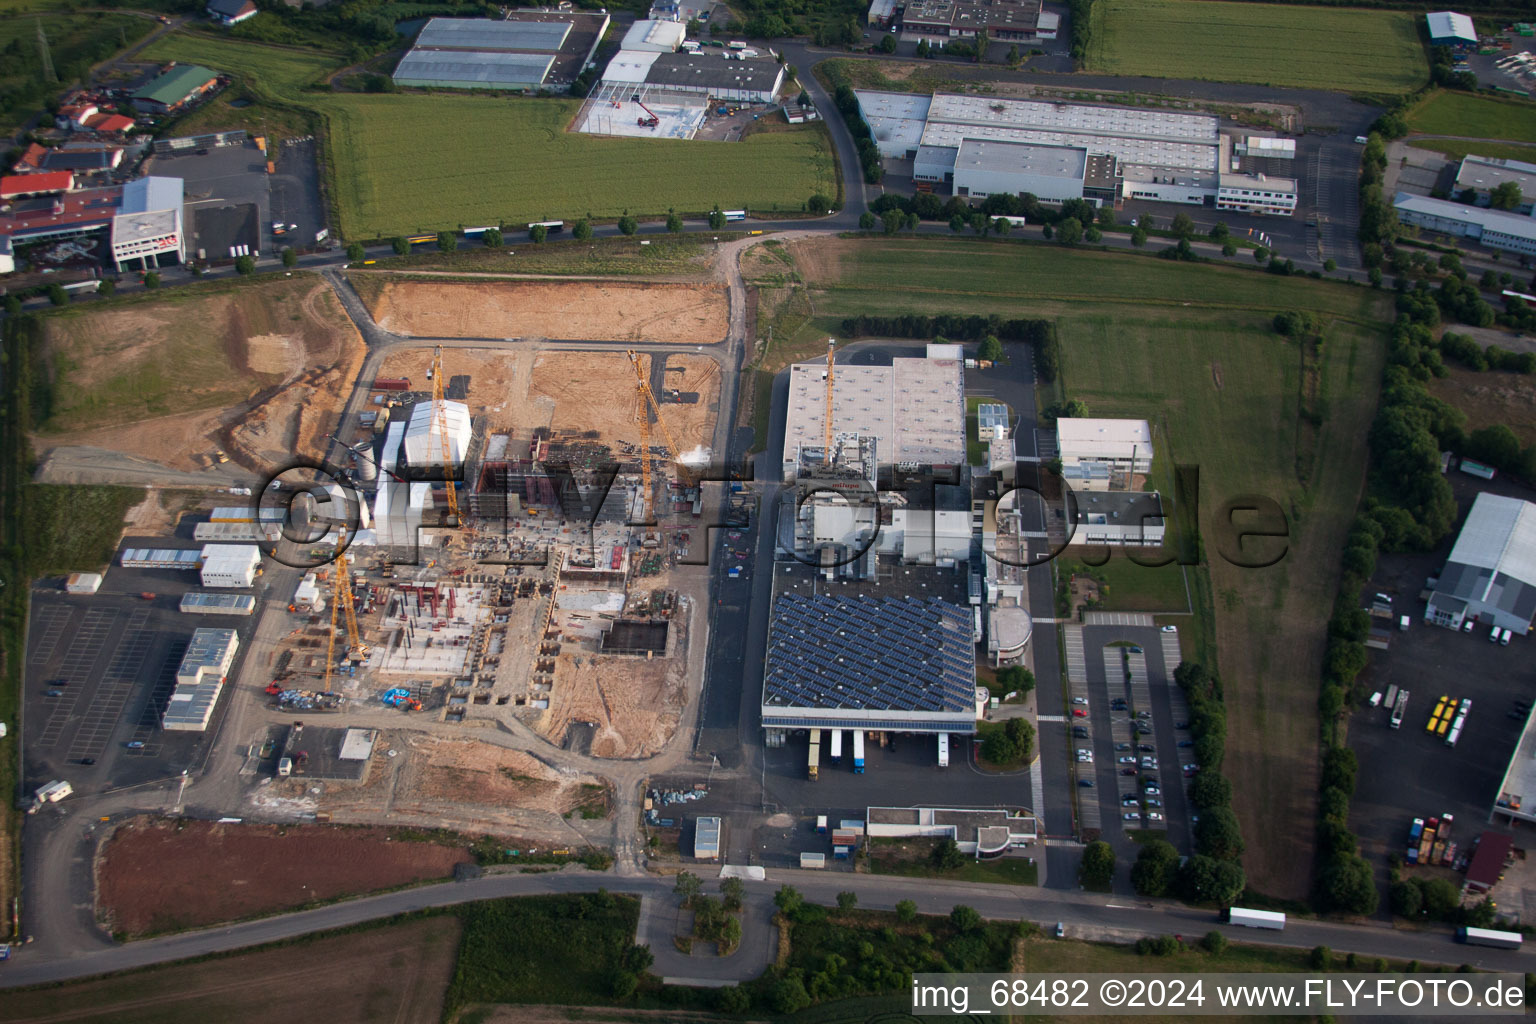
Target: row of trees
{"points": [[1010, 745], [947, 325], [869, 153]]}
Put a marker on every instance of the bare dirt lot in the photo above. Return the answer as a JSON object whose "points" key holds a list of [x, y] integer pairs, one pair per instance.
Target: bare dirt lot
{"points": [[259, 371], [693, 314], [518, 390], [396, 973], [159, 874], [634, 704], [1490, 398]]}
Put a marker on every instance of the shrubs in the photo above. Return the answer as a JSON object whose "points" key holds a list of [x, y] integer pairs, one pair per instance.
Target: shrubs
{"points": [[1098, 867]]}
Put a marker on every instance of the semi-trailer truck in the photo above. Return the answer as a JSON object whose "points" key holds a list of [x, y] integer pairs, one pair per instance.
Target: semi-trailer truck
{"points": [[1400, 709], [1271, 919], [1489, 937], [837, 746], [1415, 833], [814, 761], [858, 751], [943, 750]]}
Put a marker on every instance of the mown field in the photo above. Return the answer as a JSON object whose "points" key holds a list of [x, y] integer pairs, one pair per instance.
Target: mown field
{"points": [[512, 160], [1190, 347], [1376, 52], [1474, 117]]}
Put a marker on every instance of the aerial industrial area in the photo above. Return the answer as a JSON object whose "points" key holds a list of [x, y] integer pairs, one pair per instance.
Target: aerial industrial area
{"points": [[662, 506]]}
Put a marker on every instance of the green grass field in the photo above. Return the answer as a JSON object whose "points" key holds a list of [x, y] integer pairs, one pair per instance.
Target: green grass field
{"points": [[1191, 348], [512, 159], [1137, 588], [1474, 117], [1375, 52], [1456, 149]]}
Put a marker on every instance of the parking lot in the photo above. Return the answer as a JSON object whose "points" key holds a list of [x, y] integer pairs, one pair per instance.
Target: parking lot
{"points": [[222, 182], [99, 671], [1127, 719], [1409, 772]]}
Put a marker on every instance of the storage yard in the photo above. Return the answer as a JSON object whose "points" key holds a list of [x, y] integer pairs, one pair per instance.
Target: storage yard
{"points": [[576, 310]]}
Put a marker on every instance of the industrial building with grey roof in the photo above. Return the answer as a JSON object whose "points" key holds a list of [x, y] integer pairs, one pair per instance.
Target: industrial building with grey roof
{"points": [[526, 50], [1490, 575], [856, 662]]}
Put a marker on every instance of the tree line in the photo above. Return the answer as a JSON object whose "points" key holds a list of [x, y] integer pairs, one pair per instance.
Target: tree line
{"points": [[964, 328]]}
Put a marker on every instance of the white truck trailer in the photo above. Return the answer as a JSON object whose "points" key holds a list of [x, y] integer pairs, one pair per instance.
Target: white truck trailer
{"points": [[1273, 920]]}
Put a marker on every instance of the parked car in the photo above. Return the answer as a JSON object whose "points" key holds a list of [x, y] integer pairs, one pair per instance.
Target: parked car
{"points": [[1154, 816], [1147, 748], [1152, 789], [1080, 732], [1061, 930], [1131, 815], [1186, 743], [1191, 767], [135, 744], [1130, 801], [1122, 746], [1181, 725], [1079, 713], [1127, 760], [1153, 801], [1085, 783], [1079, 700], [1170, 629], [1128, 771], [53, 693]]}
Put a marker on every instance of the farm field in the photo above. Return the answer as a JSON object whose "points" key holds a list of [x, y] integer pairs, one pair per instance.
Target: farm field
{"points": [[161, 875], [514, 161], [1189, 347], [392, 973], [1455, 149], [1473, 117], [1375, 52]]}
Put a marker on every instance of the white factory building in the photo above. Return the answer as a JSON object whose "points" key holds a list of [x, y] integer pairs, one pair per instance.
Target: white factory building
{"points": [[399, 505], [654, 36], [982, 146], [1131, 519], [424, 446], [1490, 575], [1103, 454], [1482, 174], [200, 679], [1509, 232], [230, 565], [148, 224], [914, 410]]}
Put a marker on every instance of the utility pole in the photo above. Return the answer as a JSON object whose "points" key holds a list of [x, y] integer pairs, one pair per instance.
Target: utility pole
{"points": [[44, 55]]}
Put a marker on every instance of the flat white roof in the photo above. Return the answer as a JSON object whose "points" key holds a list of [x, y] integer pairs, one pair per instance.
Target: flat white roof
{"points": [[665, 34], [1500, 535], [630, 66], [914, 408], [1487, 173], [1101, 438]]}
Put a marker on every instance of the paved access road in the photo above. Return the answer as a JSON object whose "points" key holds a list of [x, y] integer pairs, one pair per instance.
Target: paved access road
{"points": [[1085, 915]]}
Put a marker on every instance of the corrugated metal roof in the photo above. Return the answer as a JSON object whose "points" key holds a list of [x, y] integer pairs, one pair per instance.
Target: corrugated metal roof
{"points": [[486, 35], [491, 68], [1500, 535], [152, 194], [1450, 25], [1512, 224], [176, 84], [1022, 158]]}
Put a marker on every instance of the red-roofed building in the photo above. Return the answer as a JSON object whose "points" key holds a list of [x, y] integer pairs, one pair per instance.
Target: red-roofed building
{"points": [[14, 185], [74, 115], [111, 123], [32, 159], [1487, 864], [61, 216]]}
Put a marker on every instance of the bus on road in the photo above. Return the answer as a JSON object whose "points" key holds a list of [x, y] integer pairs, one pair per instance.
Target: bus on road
{"points": [[735, 215], [551, 226]]}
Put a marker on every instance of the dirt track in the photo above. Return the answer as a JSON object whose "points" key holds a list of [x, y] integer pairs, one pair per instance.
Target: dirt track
{"points": [[577, 310], [161, 875]]}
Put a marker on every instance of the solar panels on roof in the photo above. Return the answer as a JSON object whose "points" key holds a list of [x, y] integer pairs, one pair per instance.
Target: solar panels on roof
{"points": [[484, 34]]}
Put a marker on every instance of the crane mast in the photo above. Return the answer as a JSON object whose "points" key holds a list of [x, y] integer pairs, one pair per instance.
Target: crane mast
{"points": [[343, 605], [831, 344], [644, 387], [440, 409]]}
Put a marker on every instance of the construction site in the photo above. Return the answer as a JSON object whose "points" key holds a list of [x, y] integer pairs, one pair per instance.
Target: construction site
{"points": [[517, 557]]}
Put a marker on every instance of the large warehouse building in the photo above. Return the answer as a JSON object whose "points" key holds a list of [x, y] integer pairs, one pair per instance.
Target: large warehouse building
{"points": [[148, 226], [981, 146], [722, 75], [1490, 575], [200, 679], [941, 21], [1496, 229], [895, 664], [914, 409], [526, 51], [1480, 175]]}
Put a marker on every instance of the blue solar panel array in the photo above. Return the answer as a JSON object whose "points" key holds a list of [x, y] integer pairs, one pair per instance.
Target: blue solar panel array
{"points": [[871, 653]]}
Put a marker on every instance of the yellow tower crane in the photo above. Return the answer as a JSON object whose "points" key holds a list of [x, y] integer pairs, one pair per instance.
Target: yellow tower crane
{"points": [[342, 604], [645, 402], [644, 387], [440, 410], [831, 345]]}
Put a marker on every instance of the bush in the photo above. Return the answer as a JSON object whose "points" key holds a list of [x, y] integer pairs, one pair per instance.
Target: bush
{"points": [[1214, 942], [1155, 866], [946, 855], [401, 245], [1321, 958], [105, 287], [965, 919], [151, 280], [57, 295], [906, 911], [818, 204], [355, 252], [538, 233], [290, 258], [245, 265], [493, 238], [674, 222]]}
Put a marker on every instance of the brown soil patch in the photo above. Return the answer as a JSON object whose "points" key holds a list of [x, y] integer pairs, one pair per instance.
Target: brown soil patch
{"points": [[278, 395], [158, 874], [1490, 398], [572, 392], [463, 773], [635, 704], [398, 973], [694, 314]]}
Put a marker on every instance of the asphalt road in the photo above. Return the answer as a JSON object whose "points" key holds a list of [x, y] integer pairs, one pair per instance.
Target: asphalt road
{"points": [[1085, 915]]}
